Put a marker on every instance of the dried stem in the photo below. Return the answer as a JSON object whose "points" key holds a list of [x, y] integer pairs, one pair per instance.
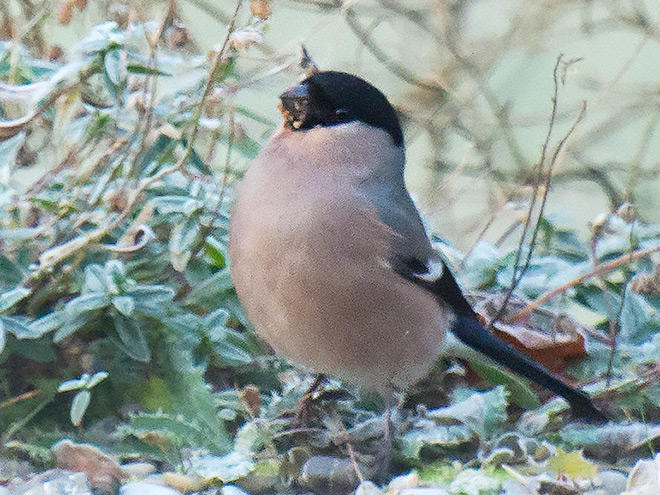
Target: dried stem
{"points": [[599, 270], [519, 271]]}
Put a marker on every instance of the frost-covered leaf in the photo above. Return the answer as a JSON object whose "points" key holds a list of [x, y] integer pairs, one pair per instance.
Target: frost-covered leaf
{"points": [[101, 37], [11, 297], [644, 479], [226, 468], [183, 236], [70, 324], [474, 482], [97, 378], [638, 319], [131, 338], [79, 406], [211, 289], [19, 326], [483, 412], [96, 279], [436, 438], [8, 150], [124, 304], [74, 384], [618, 440], [176, 204], [114, 68], [46, 323], [85, 303]]}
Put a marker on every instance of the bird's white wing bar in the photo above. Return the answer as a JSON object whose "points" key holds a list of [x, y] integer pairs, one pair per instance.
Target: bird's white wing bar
{"points": [[435, 271]]}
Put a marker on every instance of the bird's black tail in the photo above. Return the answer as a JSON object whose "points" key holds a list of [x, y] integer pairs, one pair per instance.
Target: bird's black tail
{"points": [[472, 333]]}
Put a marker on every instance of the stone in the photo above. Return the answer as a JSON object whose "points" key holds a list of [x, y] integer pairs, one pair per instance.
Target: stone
{"points": [[329, 475]]}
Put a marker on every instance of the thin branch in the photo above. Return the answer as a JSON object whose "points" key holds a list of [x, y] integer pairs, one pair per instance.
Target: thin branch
{"points": [[25, 396], [518, 270], [599, 270], [393, 66]]}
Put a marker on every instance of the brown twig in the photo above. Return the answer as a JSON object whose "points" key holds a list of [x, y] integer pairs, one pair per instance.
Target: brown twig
{"points": [[22, 397], [600, 269], [519, 271]]}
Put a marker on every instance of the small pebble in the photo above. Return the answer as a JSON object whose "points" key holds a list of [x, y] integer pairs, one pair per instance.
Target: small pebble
{"points": [[612, 481], [398, 483], [329, 474], [138, 469], [423, 490], [368, 488], [144, 488], [183, 482], [232, 490], [56, 482]]}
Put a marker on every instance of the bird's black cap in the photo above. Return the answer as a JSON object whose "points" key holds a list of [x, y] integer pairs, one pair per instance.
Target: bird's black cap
{"points": [[332, 98]]}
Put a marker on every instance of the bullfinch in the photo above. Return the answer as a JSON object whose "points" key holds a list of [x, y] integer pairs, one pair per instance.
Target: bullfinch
{"points": [[330, 258]]}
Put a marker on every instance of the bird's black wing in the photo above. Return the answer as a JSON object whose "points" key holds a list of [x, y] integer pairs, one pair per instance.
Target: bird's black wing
{"points": [[436, 278]]}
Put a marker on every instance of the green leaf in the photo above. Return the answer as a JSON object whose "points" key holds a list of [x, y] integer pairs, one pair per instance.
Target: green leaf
{"points": [[483, 412], [74, 384], [11, 297], [211, 289], [8, 151], [132, 339], [216, 251], [97, 378], [158, 153], [224, 69], [183, 235], [79, 406], [47, 323], [149, 71], [572, 464], [19, 327], [636, 317], [124, 304], [71, 324], [519, 390], [11, 272], [96, 279], [176, 204], [425, 434], [196, 161], [86, 303]]}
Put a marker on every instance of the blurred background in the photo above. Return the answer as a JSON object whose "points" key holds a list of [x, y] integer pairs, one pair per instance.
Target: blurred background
{"points": [[473, 81]]}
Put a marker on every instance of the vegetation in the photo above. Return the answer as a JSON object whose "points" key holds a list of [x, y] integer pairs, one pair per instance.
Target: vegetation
{"points": [[119, 325]]}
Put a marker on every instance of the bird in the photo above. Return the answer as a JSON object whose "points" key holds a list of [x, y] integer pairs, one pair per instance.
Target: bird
{"points": [[331, 260]]}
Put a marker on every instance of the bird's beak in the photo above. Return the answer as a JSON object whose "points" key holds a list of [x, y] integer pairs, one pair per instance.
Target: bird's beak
{"points": [[295, 105]]}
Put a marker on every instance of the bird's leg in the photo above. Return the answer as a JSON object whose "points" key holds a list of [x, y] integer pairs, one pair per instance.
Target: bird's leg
{"points": [[307, 402], [392, 402]]}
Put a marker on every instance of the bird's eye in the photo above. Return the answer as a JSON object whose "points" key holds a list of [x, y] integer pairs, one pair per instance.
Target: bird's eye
{"points": [[341, 114]]}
